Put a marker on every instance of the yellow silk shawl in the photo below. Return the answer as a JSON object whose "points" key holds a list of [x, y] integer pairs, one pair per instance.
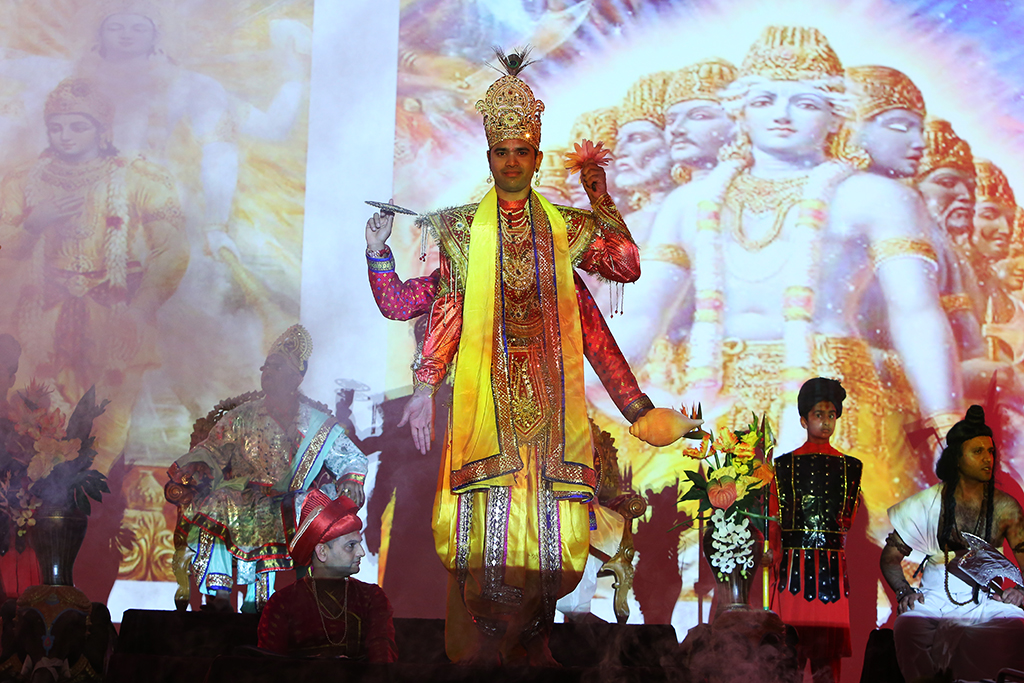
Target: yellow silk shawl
{"points": [[474, 454]]}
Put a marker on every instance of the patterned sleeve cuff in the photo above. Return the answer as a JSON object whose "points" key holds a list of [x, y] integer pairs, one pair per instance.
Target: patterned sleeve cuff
{"points": [[635, 410], [382, 261]]}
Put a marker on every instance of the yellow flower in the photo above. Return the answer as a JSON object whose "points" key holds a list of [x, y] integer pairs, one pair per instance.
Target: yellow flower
{"points": [[743, 451], [750, 438], [751, 483], [51, 452], [725, 442], [698, 452], [742, 466], [727, 471]]}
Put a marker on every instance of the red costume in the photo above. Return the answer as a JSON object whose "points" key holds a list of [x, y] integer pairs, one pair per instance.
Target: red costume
{"points": [[819, 489], [335, 616], [296, 622]]}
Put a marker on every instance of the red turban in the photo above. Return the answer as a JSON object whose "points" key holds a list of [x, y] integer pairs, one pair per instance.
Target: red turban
{"points": [[322, 520]]}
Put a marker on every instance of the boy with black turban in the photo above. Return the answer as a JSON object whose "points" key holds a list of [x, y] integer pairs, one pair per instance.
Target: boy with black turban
{"points": [[817, 490]]}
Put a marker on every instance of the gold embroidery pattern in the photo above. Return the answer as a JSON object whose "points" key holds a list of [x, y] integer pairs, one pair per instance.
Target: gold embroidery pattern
{"points": [[550, 547], [499, 505], [309, 457], [387, 266], [898, 247], [201, 563]]}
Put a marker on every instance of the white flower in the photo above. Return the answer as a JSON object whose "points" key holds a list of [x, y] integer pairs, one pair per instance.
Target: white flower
{"points": [[732, 542]]}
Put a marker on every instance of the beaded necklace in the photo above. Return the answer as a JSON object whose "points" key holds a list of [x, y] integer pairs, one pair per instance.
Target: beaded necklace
{"points": [[320, 611], [945, 553]]}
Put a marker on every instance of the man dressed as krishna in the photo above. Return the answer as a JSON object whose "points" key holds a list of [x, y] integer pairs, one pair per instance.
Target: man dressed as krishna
{"points": [[510, 522]]}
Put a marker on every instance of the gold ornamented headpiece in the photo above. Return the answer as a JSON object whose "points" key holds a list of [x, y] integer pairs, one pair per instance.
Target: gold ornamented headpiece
{"points": [[792, 53], [701, 81], [992, 185], [79, 96], [645, 100], [944, 149], [295, 345], [599, 125], [143, 8], [510, 110], [879, 89]]}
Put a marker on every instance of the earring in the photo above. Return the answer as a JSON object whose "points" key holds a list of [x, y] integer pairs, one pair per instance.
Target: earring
{"points": [[536, 180], [490, 179]]}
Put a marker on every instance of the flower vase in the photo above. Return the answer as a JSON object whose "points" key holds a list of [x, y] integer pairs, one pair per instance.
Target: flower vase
{"points": [[56, 538], [733, 547]]}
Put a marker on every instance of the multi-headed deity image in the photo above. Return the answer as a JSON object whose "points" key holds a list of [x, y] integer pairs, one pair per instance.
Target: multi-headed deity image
{"points": [[792, 216]]}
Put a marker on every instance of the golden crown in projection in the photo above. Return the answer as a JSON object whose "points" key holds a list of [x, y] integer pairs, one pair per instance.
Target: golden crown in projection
{"points": [[510, 110], [944, 149], [599, 125], [143, 8], [992, 185], [879, 89], [645, 100], [701, 81], [79, 96], [792, 53]]}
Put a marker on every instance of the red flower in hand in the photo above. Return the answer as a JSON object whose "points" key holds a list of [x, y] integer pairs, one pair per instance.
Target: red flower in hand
{"points": [[722, 495], [587, 153]]}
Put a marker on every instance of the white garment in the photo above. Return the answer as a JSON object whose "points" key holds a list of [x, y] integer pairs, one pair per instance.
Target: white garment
{"points": [[975, 639]]}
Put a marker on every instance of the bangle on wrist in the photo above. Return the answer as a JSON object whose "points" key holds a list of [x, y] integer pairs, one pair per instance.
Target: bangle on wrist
{"points": [[418, 384]]}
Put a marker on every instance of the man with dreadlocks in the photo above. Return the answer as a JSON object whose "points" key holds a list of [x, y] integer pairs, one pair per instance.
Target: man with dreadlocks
{"points": [[948, 623]]}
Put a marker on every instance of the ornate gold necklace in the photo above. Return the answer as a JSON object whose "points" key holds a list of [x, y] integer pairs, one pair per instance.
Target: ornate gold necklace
{"points": [[70, 177], [761, 196]]}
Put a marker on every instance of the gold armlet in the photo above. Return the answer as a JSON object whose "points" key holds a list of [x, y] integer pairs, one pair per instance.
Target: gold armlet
{"points": [[899, 247], [951, 303], [667, 253]]}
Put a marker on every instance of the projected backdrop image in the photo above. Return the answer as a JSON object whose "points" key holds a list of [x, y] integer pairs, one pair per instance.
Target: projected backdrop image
{"points": [[158, 270], [886, 255]]}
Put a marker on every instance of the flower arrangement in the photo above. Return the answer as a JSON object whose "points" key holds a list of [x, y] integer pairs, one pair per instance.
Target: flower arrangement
{"points": [[733, 482], [45, 459]]}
